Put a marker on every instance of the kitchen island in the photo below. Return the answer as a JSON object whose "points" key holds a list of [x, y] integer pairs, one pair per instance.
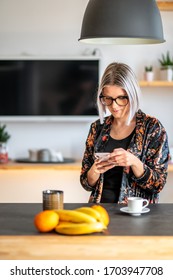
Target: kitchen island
{"points": [[148, 236]]}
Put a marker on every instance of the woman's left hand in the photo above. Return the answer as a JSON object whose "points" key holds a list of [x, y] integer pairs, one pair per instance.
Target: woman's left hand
{"points": [[121, 157]]}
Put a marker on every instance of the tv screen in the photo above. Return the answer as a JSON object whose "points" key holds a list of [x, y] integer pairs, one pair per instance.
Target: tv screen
{"points": [[48, 87]]}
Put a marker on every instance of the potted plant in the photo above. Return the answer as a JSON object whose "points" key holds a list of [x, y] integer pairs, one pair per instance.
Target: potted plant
{"points": [[4, 137], [166, 70], [149, 74]]}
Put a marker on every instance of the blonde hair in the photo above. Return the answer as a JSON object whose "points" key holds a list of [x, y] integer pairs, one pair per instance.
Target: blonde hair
{"points": [[121, 75]]}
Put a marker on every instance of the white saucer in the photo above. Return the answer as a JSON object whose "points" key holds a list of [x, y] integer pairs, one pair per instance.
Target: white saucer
{"points": [[126, 210]]}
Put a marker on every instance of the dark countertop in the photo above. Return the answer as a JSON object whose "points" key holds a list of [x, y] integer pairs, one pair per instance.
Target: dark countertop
{"points": [[17, 219]]}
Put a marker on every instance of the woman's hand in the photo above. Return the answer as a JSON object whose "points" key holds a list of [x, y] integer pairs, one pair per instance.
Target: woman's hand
{"points": [[102, 166], [98, 167], [121, 157]]}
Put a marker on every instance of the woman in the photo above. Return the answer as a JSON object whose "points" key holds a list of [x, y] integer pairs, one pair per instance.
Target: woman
{"points": [[137, 143]]}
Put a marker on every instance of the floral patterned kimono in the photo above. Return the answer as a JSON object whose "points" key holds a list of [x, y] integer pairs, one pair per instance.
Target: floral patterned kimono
{"points": [[149, 143]]}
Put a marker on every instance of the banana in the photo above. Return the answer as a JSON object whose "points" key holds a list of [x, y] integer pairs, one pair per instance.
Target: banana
{"points": [[74, 216], [79, 228], [90, 211]]}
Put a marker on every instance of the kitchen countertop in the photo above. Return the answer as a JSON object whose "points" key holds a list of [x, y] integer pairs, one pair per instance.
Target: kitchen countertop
{"points": [[13, 165], [76, 165], [148, 236]]}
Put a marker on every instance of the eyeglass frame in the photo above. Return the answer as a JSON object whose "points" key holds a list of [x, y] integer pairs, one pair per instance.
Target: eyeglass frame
{"points": [[114, 99]]}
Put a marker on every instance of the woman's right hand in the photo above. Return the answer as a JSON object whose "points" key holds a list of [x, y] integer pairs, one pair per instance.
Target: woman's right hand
{"points": [[99, 166]]}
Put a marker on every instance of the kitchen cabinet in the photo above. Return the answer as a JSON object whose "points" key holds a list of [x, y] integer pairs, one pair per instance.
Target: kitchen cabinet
{"points": [[25, 182]]}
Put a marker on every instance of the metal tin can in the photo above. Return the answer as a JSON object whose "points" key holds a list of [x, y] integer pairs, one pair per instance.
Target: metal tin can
{"points": [[53, 199]]}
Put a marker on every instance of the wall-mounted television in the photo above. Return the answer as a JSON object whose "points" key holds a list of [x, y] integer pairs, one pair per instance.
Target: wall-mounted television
{"points": [[48, 87]]}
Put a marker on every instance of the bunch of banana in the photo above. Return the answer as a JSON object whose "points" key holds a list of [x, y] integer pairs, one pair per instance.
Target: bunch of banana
{"points": [[84, 220], [74, 216], [90, 211], [79, 228]]}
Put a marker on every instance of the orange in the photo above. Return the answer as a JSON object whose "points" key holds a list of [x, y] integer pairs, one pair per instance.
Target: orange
{"points": [[46, 220], [103, 212]]}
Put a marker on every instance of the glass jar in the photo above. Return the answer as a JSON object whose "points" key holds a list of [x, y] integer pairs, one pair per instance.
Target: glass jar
{"points": [[3, 153]]}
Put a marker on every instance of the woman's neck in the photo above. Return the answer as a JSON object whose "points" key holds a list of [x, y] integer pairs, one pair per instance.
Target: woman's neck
{"points": [[123, 121], [120, 129]]}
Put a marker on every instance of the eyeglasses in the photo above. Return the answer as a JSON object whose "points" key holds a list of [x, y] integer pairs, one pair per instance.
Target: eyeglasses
{"points": [[120, 100]]}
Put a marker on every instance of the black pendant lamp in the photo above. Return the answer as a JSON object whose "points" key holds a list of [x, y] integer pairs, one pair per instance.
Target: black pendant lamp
{"points": [[122, 22]]}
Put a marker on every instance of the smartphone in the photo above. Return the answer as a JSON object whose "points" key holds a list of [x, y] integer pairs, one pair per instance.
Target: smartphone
{"points": [[102, 156]]}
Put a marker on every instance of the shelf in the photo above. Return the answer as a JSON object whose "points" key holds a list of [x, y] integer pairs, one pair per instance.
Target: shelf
{"points": [[11, 165], [156, 84], [165, 6]]}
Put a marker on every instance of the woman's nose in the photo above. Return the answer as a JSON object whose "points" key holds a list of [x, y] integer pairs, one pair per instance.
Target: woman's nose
{"points": [[114, 104]]}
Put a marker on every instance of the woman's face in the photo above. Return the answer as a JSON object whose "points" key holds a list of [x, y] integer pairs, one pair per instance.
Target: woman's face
{"points": [[118, 112]]}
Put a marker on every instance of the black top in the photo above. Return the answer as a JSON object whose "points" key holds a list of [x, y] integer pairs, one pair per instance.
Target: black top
{"points": [[113, 177]]}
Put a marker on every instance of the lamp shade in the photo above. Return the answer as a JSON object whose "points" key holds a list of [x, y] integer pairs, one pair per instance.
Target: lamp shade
{"points": [[122, 22]]}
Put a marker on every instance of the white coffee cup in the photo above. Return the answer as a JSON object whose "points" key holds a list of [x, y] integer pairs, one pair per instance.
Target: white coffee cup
{"points": [[136, 204]]}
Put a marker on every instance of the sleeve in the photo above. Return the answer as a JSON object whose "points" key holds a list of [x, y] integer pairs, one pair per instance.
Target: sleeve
{"points": [[155, 160], [88, 157]]}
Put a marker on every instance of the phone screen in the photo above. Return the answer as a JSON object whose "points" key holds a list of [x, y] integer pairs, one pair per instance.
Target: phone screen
{"points": [[102, 156]]}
